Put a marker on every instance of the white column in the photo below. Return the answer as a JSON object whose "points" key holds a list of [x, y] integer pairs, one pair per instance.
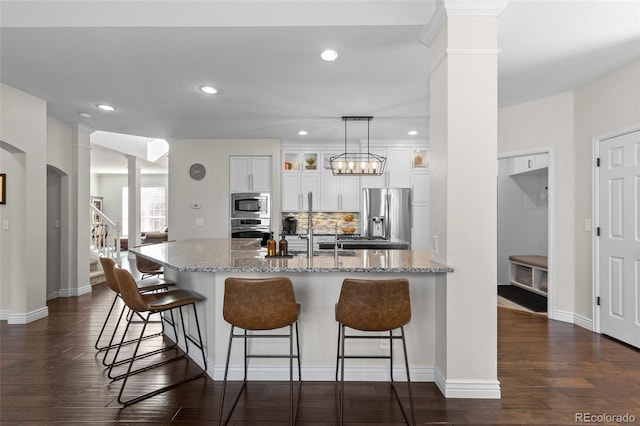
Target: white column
{"points": [[133, 179], [80, 234], [463, 148]]}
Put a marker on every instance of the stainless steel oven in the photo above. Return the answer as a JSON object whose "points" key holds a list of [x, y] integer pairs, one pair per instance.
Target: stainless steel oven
{"points": [[251, 205], [249, 228], [250, 215]]}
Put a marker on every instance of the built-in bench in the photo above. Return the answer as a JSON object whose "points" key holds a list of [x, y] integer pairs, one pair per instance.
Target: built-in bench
{"points": [[529, 272]]}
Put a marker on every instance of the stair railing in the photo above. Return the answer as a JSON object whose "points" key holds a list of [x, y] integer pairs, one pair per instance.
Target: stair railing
{"points": [[105, 234]]}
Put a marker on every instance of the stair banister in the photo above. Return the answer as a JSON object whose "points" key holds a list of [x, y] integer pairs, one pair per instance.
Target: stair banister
{"points": [[104, 233]]}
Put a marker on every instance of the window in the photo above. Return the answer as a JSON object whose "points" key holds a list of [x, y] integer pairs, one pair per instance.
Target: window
{"points": [[153, 209]]}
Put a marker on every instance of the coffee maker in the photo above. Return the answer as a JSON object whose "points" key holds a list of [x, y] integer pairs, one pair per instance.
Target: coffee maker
{"points": [[290, 225]]}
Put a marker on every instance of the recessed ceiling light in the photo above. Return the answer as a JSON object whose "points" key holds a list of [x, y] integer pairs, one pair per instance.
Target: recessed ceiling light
{"points": [[106, 107], [85, 115], [209, 90], [412, 132], [303, 133], [329, 55]]}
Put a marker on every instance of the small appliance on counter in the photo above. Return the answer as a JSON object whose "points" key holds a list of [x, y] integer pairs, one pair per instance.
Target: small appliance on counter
{"points": [[290, 225]]}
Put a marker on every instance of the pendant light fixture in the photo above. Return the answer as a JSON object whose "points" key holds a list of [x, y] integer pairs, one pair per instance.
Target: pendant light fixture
{"points": [[357, 163]]}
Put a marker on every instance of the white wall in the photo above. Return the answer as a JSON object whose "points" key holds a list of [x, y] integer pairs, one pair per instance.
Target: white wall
{"points": [[54, 237], [212, 192], [110, 187], [23, 150], [59, 159], [522, 216], [541, 124], [606, 104], [567, 123]]}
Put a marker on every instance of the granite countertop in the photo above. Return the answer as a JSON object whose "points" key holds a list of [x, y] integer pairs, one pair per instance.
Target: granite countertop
{"points": [[240, 255]]}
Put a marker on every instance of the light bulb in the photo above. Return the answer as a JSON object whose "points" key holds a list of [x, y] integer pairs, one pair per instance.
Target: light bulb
{"points": [[374, 165], [340, 165], [351, 165], [363, 166]]}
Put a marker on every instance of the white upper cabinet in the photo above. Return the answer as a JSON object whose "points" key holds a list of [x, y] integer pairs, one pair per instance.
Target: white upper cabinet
{"points": [[397, 172], [420, 186], [528, 163], [308, 170], [340, 194], [300, 162], [250, 173], [295, 190]]}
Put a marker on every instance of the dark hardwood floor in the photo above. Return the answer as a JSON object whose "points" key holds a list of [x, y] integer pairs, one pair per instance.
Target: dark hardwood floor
{"points": [[549, 371]]}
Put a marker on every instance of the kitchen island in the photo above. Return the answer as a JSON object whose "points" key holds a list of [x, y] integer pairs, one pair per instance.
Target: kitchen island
{"points": [[203, 266]]}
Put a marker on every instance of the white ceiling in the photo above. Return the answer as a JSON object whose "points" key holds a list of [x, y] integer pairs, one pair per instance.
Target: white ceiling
{"points": [[147, 58]]}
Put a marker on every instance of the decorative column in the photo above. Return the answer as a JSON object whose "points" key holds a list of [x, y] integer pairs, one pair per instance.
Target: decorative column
{"points": [[463, 147], [80, 233], [133, 179]]}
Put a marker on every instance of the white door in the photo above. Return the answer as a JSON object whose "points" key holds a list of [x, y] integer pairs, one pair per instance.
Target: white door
{"points": [[619, 241]]}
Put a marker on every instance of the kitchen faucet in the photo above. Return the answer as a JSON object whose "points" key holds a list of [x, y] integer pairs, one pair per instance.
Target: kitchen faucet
{"points": [[310, 226]]}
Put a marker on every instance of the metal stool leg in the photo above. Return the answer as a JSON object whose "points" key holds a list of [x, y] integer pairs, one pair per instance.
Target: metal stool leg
{"points": [[406, 364], [104, 325], [134, 357]]}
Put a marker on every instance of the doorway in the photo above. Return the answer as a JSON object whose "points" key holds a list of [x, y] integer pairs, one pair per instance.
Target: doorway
{"points": [[617, 252], [524, 231], [56, 255]]}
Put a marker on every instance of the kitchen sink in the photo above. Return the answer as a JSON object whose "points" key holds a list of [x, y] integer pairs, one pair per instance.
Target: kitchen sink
{"points": [[323, 253]]}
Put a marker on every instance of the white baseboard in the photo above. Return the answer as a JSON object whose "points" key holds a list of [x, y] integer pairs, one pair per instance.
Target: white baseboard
{"points": [[26, 318], [572, 318], [74, 292], [4, 314], [270, 372], [324, 373], [480, 389]]}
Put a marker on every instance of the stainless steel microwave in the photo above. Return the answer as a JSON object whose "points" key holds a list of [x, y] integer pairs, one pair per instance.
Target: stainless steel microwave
{"points": [[252, 205]]}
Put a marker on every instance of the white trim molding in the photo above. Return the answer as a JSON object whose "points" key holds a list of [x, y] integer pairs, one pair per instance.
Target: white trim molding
{"points": [[477, 389], [28, 317], [475, 7], [280, 372], [446, 8], [4, 314], [572, 318], [74, 292]]}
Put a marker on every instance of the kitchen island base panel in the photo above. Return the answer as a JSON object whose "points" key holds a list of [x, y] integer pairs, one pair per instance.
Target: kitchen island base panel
{"points": [[317, 294]]}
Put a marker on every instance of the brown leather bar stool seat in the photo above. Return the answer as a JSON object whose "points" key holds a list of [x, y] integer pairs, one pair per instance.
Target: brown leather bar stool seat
{"points": [[148, 268], [373, 306], [146, 285], [148, 304], [258, 305]]}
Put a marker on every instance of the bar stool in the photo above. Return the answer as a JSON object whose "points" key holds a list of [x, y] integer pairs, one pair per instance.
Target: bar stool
{"points": [[152, 303], [373, 305], [147, 285], [148, 268], [260, 304]]}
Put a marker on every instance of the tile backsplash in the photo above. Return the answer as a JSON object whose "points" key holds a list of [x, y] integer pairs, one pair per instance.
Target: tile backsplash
{"points": [[324, 222]]}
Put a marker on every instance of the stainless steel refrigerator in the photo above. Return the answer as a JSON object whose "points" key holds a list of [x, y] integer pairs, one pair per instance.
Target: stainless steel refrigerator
{"points": [[386, 213]]}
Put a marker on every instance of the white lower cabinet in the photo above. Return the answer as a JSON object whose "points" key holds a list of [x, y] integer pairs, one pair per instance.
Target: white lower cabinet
{"points": [[529, 276]]}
